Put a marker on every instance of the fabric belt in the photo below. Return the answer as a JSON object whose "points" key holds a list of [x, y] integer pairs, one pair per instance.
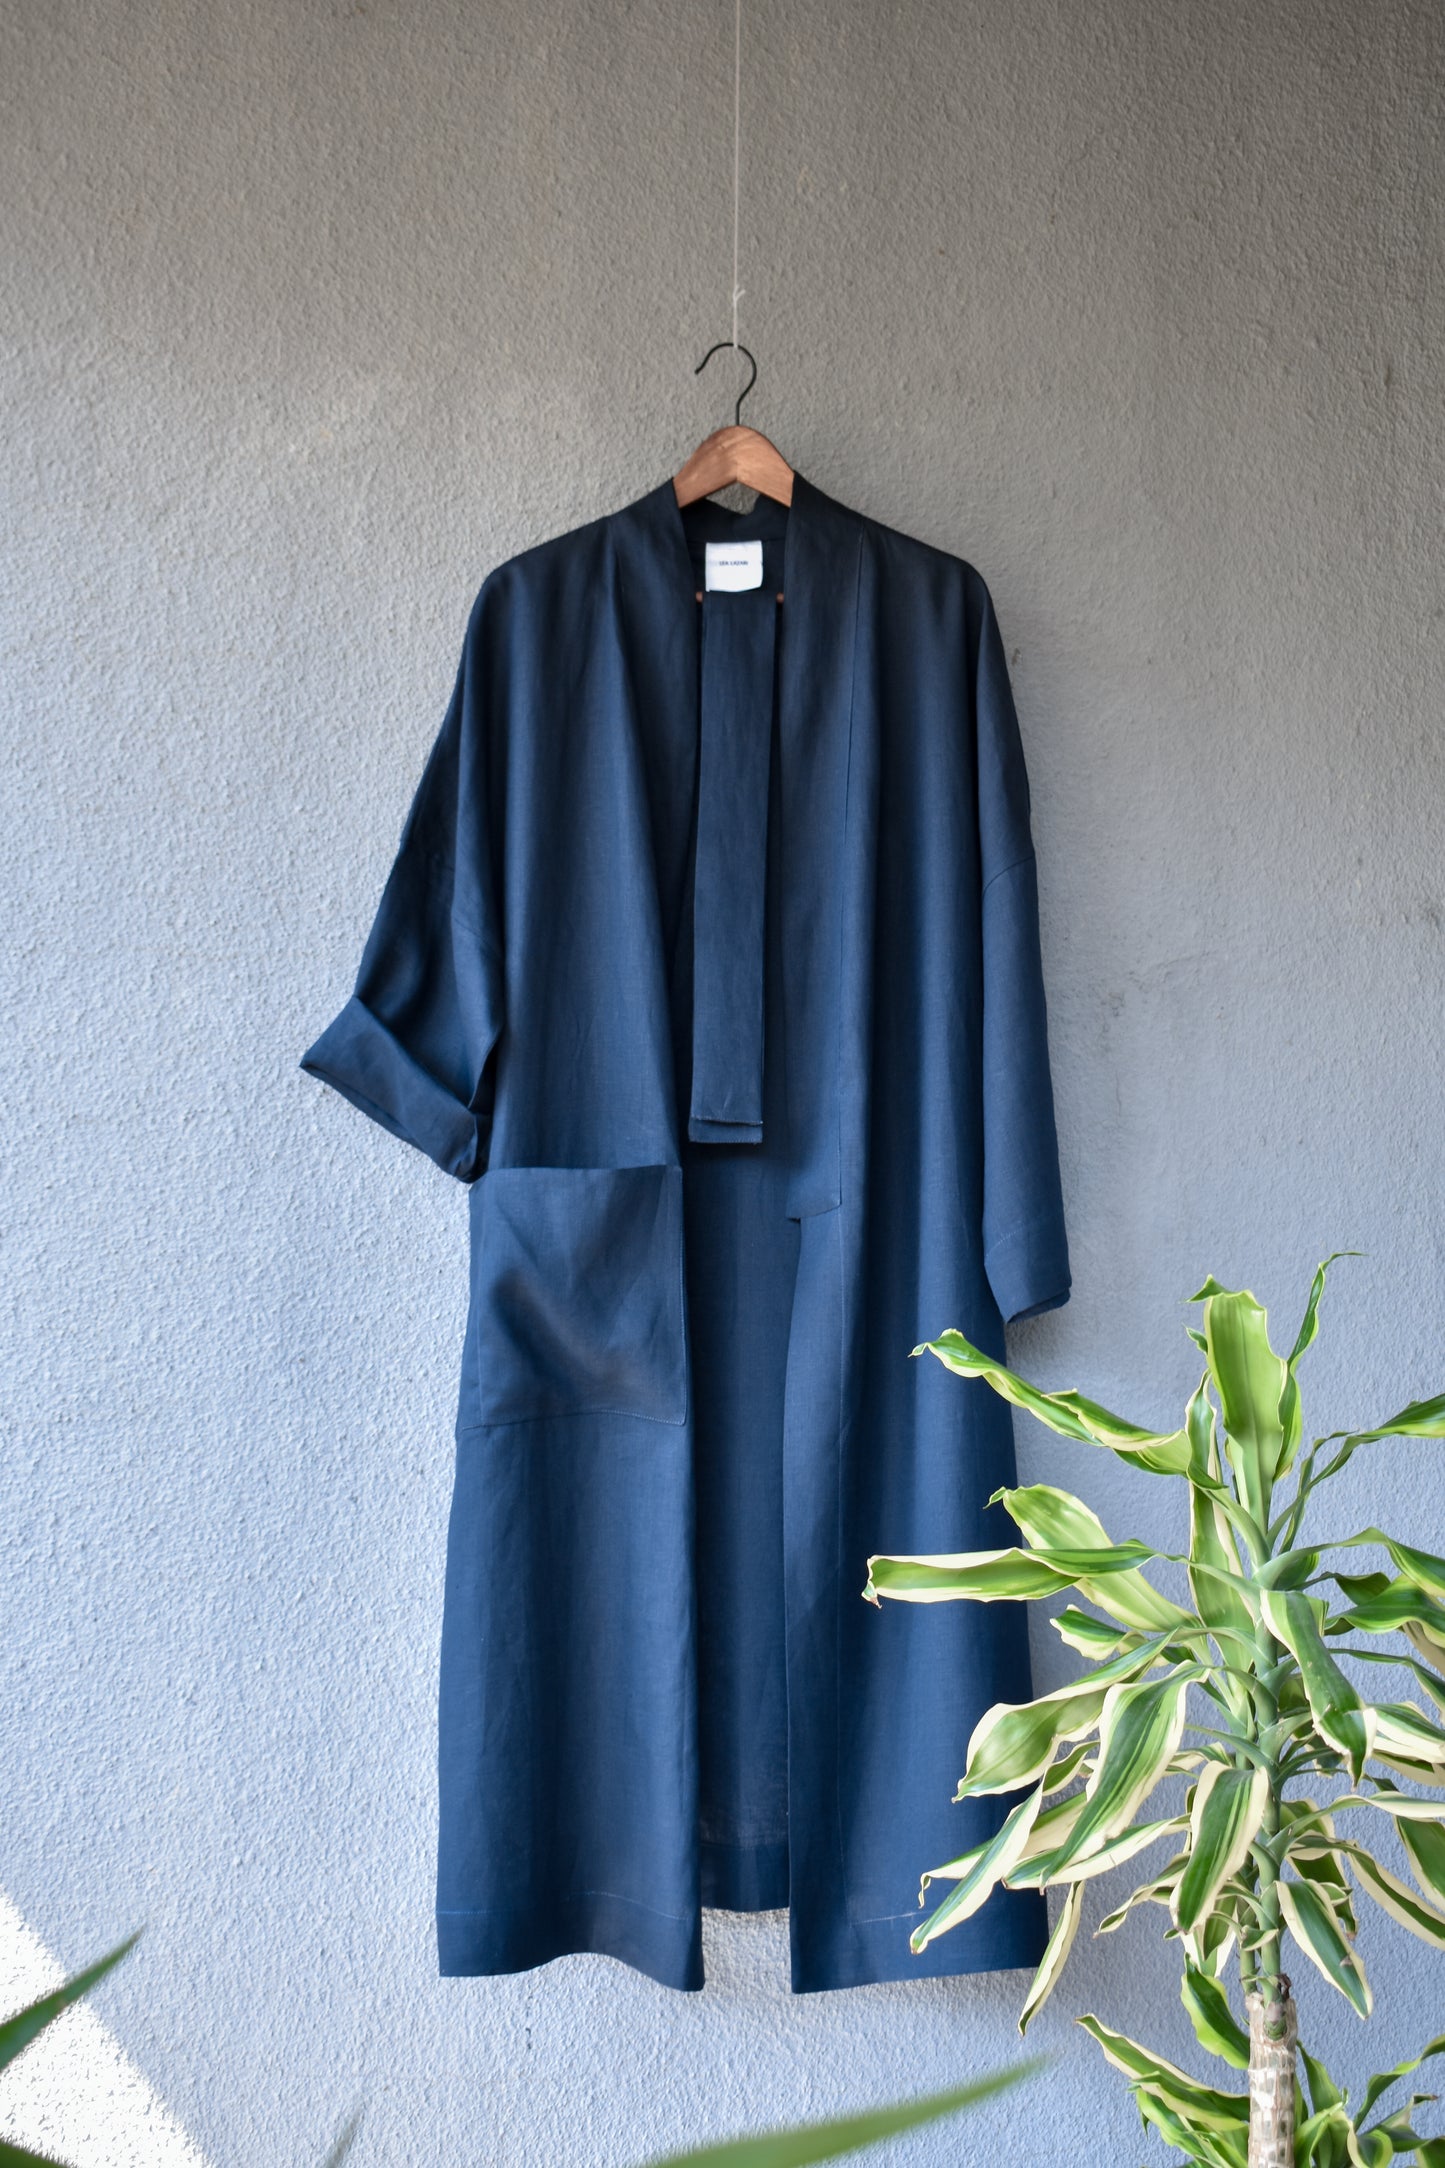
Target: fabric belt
{"points": [[738, 638]]}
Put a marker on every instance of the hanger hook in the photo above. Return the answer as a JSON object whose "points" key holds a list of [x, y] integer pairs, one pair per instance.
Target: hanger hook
{"points": [[723, 345]]}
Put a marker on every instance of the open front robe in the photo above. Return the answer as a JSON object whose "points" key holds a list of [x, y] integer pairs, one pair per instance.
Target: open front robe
{"points": [[687, 1409]]}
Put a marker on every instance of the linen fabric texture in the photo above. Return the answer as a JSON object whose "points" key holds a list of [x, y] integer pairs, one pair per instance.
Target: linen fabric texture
{"points": [[709, 963]]}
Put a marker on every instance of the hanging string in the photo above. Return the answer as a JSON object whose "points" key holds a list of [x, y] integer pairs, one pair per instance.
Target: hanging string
{"points": [[737, 145]]}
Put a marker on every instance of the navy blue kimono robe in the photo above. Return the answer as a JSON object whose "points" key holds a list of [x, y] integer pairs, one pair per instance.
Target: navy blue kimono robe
{"points": [[709, 963]]}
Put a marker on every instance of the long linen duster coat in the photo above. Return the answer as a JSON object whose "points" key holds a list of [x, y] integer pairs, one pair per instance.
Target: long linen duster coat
{"points": [[709, 962]]}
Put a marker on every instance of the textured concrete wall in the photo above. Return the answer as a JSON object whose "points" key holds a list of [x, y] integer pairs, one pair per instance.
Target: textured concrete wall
{"points": [[313, 314]]}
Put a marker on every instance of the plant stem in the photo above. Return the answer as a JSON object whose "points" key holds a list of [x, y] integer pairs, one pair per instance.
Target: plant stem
{"points": [[1269, 1907], [1267, 1997], [1272, 2035], [1271, 1751]]}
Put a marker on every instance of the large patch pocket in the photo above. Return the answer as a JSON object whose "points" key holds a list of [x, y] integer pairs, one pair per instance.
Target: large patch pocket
{"points": [[577, 1293]]}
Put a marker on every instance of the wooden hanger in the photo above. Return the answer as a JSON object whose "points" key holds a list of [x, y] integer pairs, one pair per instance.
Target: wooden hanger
{"points": [[734, 454]]}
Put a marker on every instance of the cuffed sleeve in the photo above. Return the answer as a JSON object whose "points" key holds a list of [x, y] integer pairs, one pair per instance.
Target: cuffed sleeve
{"points": [[413, 1047], [1025, 1245]]}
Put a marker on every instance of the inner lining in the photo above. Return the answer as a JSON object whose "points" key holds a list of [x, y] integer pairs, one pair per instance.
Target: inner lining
{"points": [[741, 1261]]}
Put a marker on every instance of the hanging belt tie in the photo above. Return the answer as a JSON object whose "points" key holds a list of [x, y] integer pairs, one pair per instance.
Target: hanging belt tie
{"points": [[738, 634]]}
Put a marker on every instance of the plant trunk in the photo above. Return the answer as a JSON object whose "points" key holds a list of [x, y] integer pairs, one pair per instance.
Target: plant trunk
{"points": [[1272, 2036]]}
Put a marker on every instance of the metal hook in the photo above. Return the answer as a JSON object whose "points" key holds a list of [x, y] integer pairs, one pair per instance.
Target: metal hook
{"points": [[723, 346]]}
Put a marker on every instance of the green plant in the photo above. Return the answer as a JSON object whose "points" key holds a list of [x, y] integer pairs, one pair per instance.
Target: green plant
{"points": [[827, 2141], [770, 2149], [17, 2033], [1240, 1694]]}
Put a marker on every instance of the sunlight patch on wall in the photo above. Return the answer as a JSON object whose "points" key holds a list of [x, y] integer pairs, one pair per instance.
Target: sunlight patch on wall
{"points": [[74, 2093]]}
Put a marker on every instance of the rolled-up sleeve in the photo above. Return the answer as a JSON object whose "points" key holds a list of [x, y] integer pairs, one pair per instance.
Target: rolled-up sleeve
{"points": [[1025, 1246], [414, 1047]]}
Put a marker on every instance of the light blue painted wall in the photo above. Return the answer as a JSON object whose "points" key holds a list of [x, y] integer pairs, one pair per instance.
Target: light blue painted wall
{"points": [[313, 314]]}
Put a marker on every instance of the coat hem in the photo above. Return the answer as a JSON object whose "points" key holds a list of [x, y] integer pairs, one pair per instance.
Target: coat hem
{"points": [[665, 1946], [872, 1952]]}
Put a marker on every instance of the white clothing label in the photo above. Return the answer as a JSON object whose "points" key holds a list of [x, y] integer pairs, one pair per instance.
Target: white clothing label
{"points": [[732, 566]]}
